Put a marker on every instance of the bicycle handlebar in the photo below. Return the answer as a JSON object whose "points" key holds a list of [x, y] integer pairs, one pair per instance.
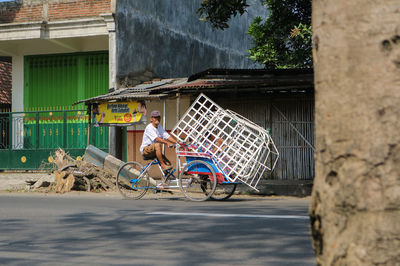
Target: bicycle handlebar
{"points": [[178, 144]]}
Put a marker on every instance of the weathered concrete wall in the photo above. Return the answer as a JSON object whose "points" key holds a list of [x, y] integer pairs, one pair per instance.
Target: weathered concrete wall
{"points": [[355, 212], [167, 39]]}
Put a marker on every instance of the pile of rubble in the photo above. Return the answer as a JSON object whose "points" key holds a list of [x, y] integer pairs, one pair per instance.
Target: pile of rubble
{"points": [[75, 174]]}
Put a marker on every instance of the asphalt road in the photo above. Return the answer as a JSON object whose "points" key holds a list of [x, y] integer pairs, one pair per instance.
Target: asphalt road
{"points": [[98, 229]]}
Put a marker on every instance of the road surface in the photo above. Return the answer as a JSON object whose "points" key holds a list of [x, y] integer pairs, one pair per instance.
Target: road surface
{"points": [[98, 229]]}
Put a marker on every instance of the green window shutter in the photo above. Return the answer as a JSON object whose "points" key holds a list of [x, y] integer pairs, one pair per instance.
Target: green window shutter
{"points": [[53, 81], [96, 75]]}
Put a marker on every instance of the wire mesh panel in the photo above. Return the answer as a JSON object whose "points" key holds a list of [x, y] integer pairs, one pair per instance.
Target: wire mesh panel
{"points": [[242, 150]]}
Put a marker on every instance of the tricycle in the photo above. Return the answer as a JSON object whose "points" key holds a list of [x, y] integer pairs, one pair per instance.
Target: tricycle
{"points": [[218, 150]]}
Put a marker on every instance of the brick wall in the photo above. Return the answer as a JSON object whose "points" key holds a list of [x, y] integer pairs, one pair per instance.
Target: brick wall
{"points": [[19, 12], [5, 80], [16, 12], [82, 8]]}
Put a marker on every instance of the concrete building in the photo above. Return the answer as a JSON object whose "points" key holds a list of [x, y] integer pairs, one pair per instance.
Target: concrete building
{"points": [[64, 51], [48, 38], [141, 40]]}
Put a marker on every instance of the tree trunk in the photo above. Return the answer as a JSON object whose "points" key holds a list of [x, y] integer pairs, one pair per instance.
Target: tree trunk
{"points": [[355, 213]]}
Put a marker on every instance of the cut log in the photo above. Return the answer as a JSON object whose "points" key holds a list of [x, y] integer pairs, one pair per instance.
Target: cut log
{"points": [[64, 181], [59, 180], [69, 183]]}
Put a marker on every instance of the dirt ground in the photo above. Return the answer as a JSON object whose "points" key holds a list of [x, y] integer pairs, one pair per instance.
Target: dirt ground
{"points": [[18, 183], [14, 181]]}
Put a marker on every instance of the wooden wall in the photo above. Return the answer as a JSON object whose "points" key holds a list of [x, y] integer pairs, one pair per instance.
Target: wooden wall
{"points": [[281, 113]]}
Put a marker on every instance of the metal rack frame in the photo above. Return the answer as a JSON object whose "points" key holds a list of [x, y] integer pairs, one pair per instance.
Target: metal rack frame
{"points": [[241, 149]]}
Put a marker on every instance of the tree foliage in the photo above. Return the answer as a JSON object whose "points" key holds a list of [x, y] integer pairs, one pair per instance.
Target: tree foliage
{"points": [[281, 40], [219, 12]]}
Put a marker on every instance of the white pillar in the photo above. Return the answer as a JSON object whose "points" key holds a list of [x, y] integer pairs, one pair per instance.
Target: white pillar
{"points": [[112, 78], [112, 59], [17, 99]]}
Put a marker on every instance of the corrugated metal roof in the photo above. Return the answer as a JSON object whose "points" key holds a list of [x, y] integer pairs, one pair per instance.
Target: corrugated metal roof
{"points": [[124, 97], [239, 83], [249, 73], [145, 91], [213, 80], [246, 80]]}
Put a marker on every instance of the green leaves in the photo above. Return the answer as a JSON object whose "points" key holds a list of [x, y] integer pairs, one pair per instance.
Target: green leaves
{"points": [[282, 40], [218, 12]]}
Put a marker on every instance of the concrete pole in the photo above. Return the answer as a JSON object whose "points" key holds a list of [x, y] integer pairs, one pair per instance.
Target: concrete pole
{"points": [[17, 100], [89, 124]]}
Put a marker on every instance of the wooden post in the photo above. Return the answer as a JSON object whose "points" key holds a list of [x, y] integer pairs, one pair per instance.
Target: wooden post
{"points": [[164, 120], [178, 103], [89, 123], [178, 117]]}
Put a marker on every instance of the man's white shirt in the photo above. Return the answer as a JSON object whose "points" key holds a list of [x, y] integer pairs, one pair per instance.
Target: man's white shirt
{"points": [[150, 135]]}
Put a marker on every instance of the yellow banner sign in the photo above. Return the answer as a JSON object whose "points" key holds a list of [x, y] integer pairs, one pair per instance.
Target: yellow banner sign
{"points": [[119, 113]]}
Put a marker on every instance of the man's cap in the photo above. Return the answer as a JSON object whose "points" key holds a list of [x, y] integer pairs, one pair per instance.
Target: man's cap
{"points": [[155, 113]]}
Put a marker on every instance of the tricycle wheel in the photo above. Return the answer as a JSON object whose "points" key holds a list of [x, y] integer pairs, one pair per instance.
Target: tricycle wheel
{"points": [[224, 191], [197, 180], [131, 182]]}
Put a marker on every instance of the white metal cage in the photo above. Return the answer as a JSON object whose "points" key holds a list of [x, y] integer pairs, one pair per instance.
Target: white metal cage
{"points": [[241, 149]]}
